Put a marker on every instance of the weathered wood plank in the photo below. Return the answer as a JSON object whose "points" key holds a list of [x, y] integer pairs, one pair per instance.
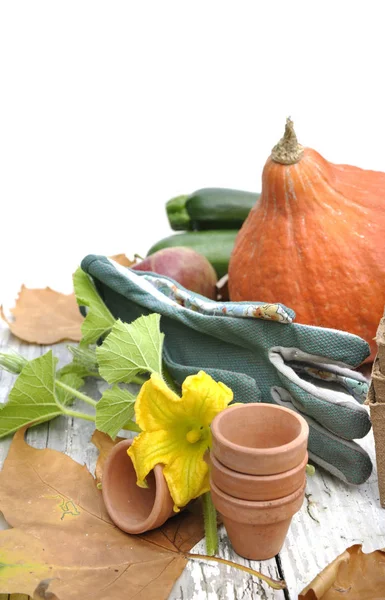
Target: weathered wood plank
{"points": [[333, 517], [73, 436], [203, 581]]}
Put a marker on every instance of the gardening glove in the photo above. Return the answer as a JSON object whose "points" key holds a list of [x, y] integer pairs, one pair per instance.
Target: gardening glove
{"points": [[257, 351]]}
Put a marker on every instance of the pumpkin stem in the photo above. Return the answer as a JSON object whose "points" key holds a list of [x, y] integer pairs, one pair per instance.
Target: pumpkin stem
{"points": [[288, 151]]}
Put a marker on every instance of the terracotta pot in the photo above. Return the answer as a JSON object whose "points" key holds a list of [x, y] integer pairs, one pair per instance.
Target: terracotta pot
{"points": [[131, 508], [257, 530], [259, 439], [257, 487]]}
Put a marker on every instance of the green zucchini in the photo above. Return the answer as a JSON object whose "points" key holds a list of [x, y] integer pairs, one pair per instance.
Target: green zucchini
{"points": [[210, 208], [177, 214], [216, 246]]}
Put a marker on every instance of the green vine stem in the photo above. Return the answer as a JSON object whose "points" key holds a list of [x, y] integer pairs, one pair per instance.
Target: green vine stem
{"points": [[138, 379], [273, 583], [75, 393], [129, 426], [93, 374], [132, 426], [78, 415], [210, 521]]}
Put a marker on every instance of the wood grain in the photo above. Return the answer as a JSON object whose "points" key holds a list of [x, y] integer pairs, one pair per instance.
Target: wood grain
{"points": [[333, 517], [199, 581]]}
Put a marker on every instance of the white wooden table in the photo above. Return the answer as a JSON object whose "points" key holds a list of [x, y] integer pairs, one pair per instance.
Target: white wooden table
{"points": [[333, 517]]}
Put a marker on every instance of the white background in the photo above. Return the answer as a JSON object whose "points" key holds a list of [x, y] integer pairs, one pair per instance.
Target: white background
{"points": [[108, 109]]}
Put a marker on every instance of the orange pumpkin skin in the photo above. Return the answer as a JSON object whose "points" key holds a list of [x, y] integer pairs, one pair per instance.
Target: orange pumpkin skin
{"points": [[315, 241]]}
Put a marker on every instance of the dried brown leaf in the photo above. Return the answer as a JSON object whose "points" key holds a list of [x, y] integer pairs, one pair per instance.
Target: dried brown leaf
{"points": [[123, 260], [63, 540], [352, 575], [43, 316], [104, 444]]}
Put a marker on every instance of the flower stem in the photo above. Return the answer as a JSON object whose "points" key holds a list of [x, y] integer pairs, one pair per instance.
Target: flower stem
{"points": [[140, 380], [93, 374], [273, 583], [132, 426], [210, 520], [75, 393], [78, 415]]}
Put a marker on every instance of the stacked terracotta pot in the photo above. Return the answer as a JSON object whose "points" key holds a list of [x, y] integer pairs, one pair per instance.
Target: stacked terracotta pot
{"points": [[258, 475]]}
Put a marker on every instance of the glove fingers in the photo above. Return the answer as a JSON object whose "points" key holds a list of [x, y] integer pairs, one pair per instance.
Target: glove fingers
{"points": [[342, 458], [343, 347], [347, 419], [354, 383], [327, 402]]}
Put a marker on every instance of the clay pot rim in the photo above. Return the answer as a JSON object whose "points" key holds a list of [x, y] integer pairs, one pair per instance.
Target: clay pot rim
{"points": [[146, 524], [216, 463], [302, 436], [258, 504]]}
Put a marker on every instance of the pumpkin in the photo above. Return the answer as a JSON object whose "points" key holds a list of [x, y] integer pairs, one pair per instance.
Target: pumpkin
{"points": [[315, 241]]}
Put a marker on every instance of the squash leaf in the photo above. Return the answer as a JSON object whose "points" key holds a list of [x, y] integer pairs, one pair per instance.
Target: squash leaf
{"points": [[114, 410], [63, 542], [32, 398], [131, 349], [99, 320], [83, 364], [72, 380]]}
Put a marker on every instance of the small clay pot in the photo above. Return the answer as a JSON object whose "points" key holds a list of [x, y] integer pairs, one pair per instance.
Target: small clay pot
{"points": [[259, 439], [257, 530], [257, 487], [132, 508]]}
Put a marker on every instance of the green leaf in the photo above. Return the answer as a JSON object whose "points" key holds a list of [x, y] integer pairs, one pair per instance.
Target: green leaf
{"points": [[131, 349], [114, 409], [99, 320], [132, 426], [32, 398], [71, 379], [84, 356], [74, 368], [84, 363]]}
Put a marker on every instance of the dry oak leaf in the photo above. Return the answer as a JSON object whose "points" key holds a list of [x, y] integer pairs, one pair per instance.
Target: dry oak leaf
{"points": [[62, 535], [123, 260], [104, 444], [43, 316], [353, 575]]}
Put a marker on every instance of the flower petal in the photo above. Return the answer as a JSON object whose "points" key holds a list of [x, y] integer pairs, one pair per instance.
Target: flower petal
{"points": [[156, 406], [149, 449], [203, 398], [188, 475]]}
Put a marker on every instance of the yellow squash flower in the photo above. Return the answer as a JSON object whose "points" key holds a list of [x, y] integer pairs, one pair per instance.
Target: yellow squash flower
{"points": [[176, 433]]}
